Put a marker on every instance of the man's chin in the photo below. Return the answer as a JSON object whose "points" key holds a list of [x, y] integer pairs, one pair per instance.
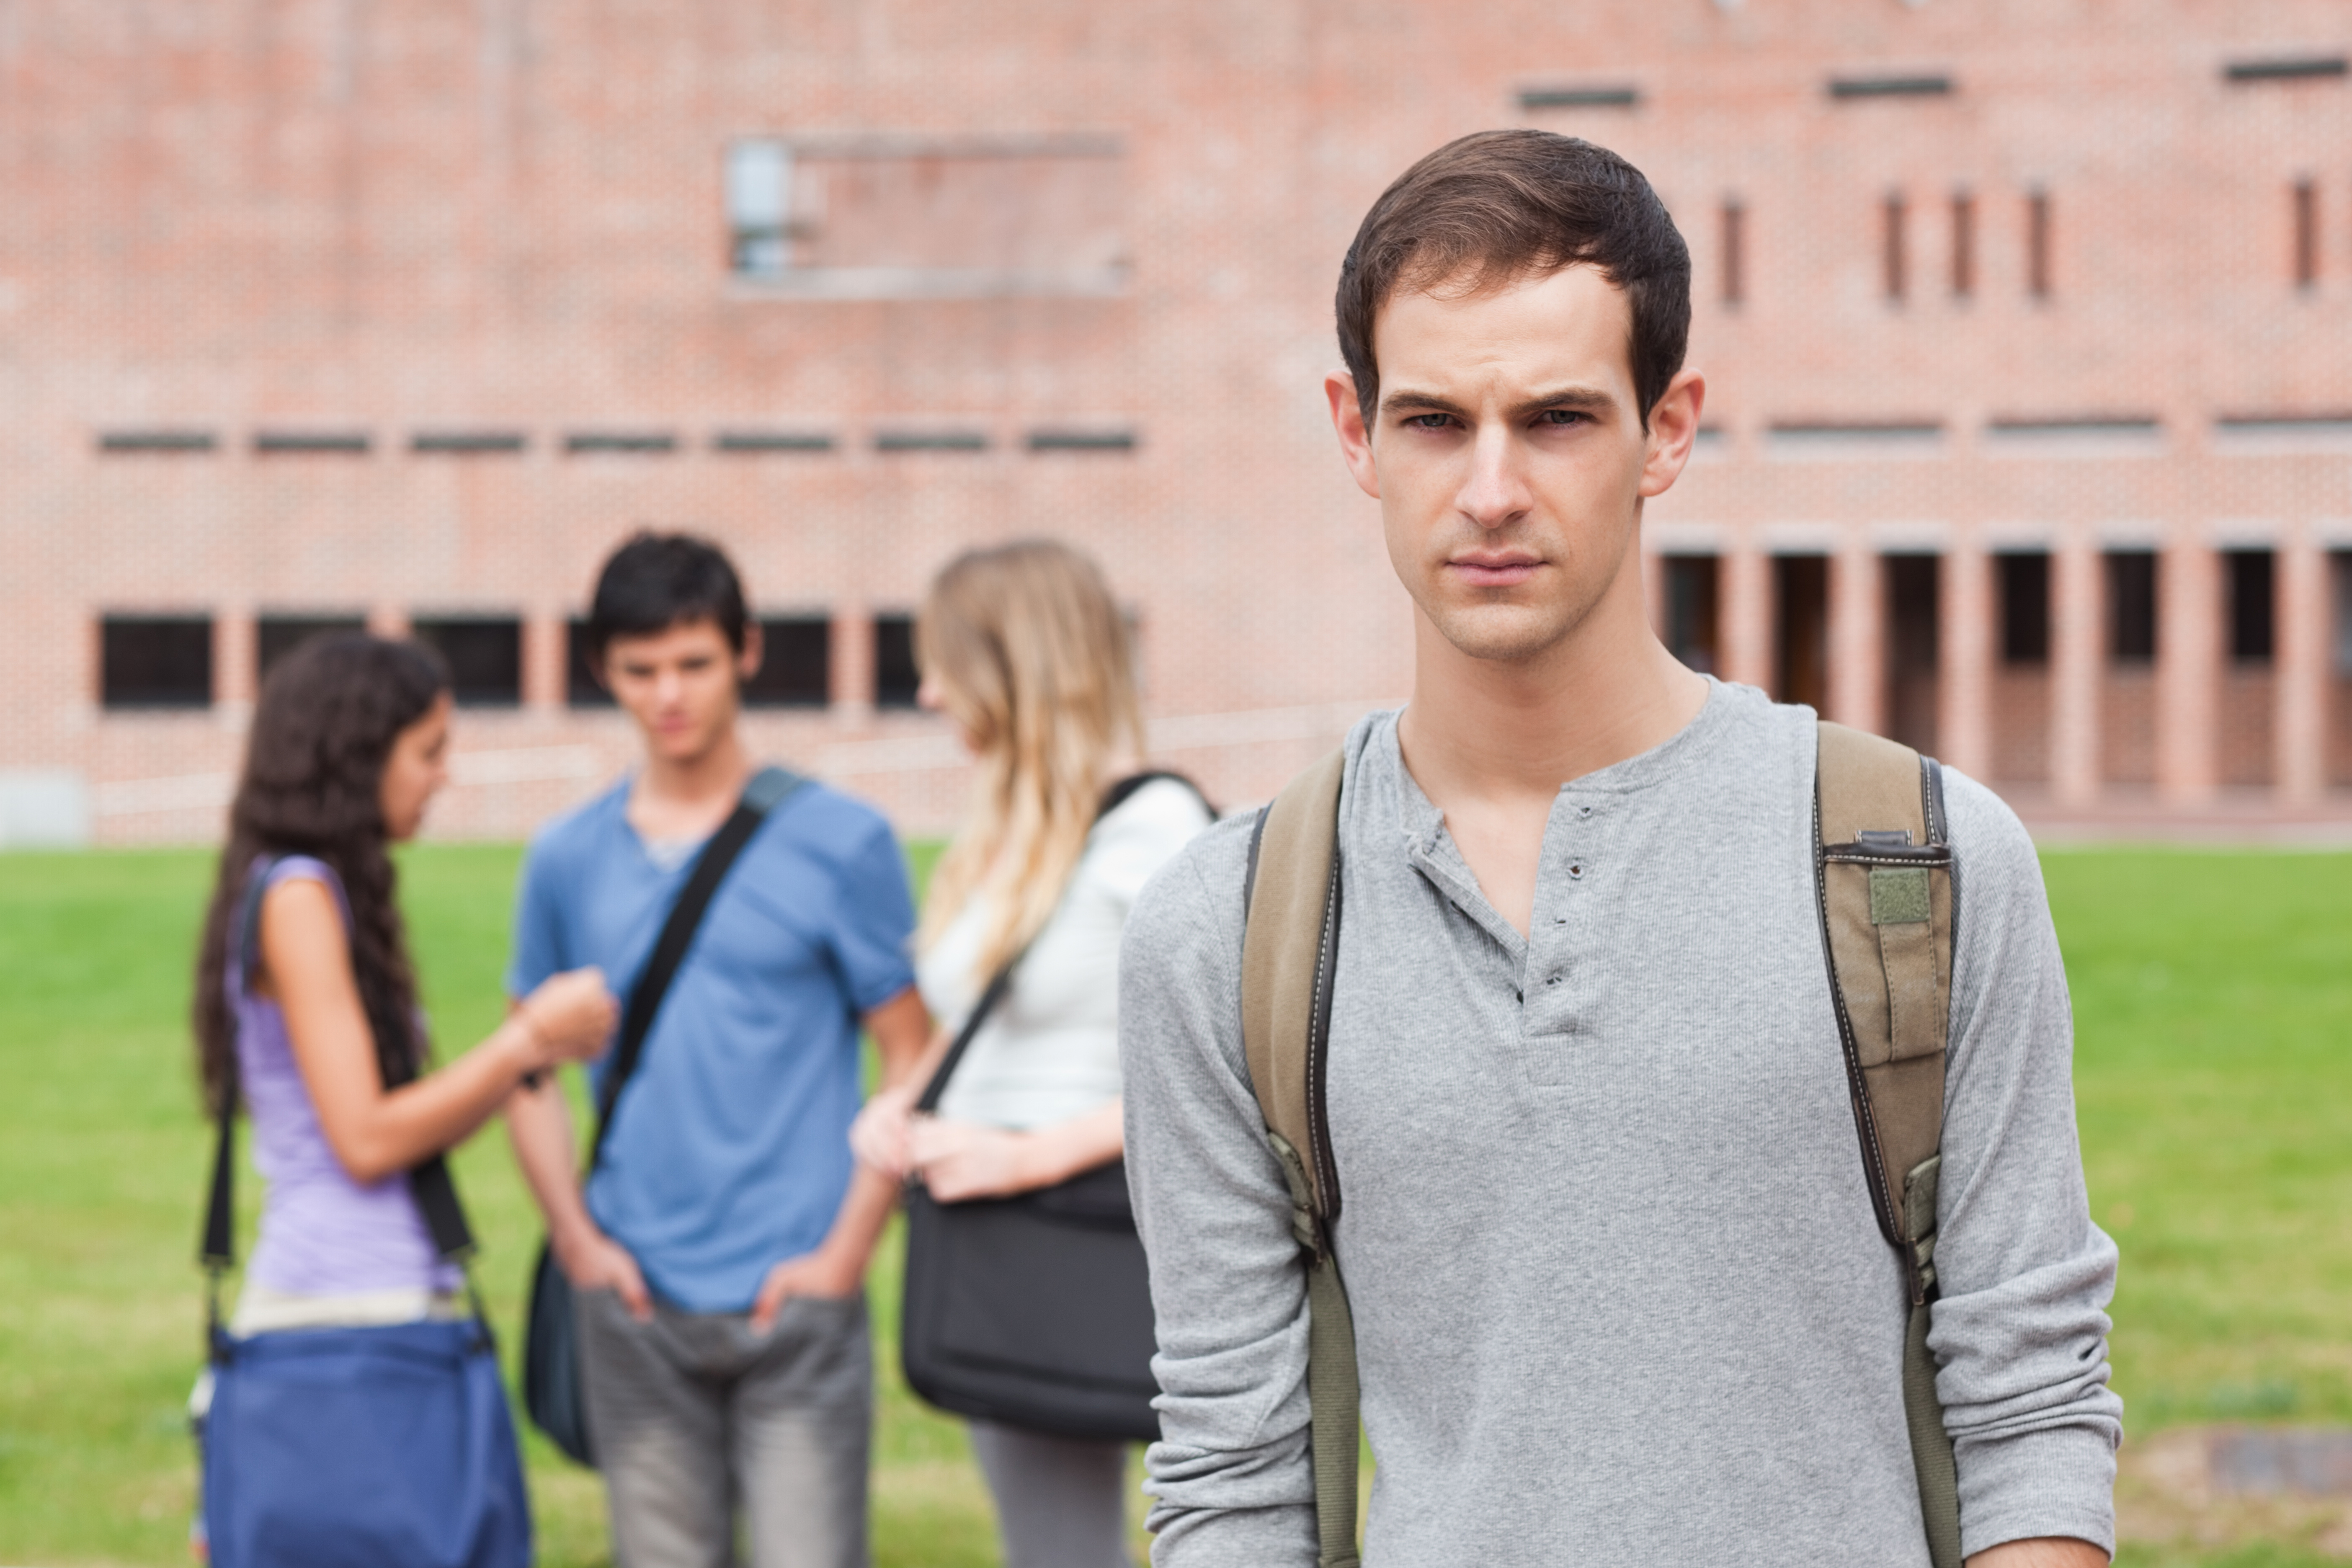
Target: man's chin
{"points": [[1501, 633]]}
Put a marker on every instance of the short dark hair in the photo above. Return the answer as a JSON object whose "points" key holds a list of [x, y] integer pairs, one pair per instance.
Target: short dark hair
{"points": [[656, 581], [1491, 207]]}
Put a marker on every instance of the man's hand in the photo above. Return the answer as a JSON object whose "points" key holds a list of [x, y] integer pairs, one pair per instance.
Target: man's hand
{"points": [[960, 1160], [829, 1273], [594, 1261], [2042, 1552]]}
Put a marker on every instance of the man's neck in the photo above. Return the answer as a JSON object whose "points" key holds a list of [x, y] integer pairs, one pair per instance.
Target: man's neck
{"points": [[1490, 729], [676, 796]]}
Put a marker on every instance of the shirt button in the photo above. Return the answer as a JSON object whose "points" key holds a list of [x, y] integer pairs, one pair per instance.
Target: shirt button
{"points": [[1553, 981], [1576, 871], [1584, 811]]}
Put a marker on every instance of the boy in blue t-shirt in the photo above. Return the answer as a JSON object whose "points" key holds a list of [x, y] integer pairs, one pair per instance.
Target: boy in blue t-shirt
{"points": [[721, 1245]]}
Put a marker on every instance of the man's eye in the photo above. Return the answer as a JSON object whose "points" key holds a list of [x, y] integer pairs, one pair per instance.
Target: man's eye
{"points": [[1564, 417], [1428, 421]]}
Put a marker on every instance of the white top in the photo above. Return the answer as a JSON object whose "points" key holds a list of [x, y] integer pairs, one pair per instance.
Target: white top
{"points": [[1050, 1051]]}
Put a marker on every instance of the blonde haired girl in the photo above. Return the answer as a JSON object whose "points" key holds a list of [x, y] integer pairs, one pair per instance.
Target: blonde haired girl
{"points": [[1023, 649]]}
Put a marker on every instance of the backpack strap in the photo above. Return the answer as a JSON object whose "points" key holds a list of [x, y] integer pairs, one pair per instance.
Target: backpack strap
{"points": [[1884, 879], [1290, 950]]}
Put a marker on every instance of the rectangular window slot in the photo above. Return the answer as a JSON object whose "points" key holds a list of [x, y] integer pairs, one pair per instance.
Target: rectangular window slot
{"points": [[1868, 440], [1891, 258], [1082, 440], [2037, 244], [2131, 605], [2250, 578], [795, 664], [916, 217], [1734, 252], [126, 442], [275, 636], [2243, 433], [1964, 245], [2093, 436], [467, 443], [754, 441], [896, 677], [155, 661], [2306, 234], [1618, 97], [639, 443], [484, 654], [931, 441], [2023, 581], [1692, 610], [2339, 564], [1890, 86], [312, 443], [581, 687], [2302, 69]]}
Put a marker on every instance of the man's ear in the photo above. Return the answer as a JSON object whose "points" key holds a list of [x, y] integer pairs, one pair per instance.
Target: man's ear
{"points": [[1673, 429], [755, 651], [1355, 440]]}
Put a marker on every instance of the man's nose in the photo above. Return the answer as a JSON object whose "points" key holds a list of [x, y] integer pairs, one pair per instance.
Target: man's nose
{"points": [[1495, 491]]}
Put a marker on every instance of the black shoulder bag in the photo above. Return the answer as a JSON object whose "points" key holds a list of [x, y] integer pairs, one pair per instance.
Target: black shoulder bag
{"points": [[551, 1356], [1034, 1309]]}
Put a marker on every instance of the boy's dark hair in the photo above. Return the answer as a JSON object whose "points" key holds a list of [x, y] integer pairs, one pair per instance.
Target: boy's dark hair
{"points": [[656, 581], [1487, 209]]}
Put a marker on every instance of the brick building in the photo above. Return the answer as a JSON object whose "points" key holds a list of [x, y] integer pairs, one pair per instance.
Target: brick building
{"points": [[2030, 437]]}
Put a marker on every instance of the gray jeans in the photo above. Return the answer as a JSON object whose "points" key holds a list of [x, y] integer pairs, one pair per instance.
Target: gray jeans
{"points": [[694, 1416], [1060, 1502]]}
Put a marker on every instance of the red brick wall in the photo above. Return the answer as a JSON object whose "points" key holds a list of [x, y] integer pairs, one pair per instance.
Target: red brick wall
{"points": [[501, 214]]}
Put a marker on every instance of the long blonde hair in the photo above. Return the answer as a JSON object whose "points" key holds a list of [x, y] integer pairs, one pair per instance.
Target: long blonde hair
{"points": [[1030, 657]]}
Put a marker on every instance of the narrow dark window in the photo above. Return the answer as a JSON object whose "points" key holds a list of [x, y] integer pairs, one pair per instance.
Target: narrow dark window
{"points": [[759, 193], [2037, 244], [1913, 647], [2339, 563], [484, 654], [2131, 605], [2024, 584], [2306, 234], [1893, 258], [581, 687], [894, 675], [1734, 252], [1800, 653], [155, 661], [795, 664], [275, 636], [1964, 245], [1691, 594], [2249, 577]]}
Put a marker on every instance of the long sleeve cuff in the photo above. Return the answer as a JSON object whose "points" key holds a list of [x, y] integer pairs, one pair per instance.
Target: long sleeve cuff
{"points": [[2055, 1480]]}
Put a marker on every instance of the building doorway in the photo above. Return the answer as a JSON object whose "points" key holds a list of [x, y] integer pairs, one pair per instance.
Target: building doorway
{"points": [[1692, 589], [2021, 680], [1800, 630]]}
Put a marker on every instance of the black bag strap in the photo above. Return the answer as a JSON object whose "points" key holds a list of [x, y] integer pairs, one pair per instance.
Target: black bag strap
{"points": [[1116, 795], [769, 788]]}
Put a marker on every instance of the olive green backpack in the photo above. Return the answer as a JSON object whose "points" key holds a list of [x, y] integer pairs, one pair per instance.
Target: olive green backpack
{"points": [[1883, 887]]}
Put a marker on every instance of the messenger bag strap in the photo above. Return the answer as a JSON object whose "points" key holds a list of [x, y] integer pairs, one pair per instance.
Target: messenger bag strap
{"points": [[1116, 795], [1290, 949], [1883, 877], [769, 788]]}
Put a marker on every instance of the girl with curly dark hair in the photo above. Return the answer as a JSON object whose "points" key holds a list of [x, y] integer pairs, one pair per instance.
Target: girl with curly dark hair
{"points": [[319, 1035]]}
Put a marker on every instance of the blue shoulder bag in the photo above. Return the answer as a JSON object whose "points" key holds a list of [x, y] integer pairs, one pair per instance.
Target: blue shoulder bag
{"points": [[360, 1446]]}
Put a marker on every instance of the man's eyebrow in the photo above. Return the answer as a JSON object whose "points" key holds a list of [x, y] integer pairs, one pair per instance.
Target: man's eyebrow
{"points": [[1584, 397], [1424, 402]]}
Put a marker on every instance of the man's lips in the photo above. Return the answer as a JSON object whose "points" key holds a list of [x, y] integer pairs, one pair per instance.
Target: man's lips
{"points": [[1500, 571]]}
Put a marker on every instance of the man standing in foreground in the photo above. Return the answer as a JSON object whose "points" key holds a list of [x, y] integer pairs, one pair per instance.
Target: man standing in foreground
{"points": [[721, 1246], [1619, 1293]]}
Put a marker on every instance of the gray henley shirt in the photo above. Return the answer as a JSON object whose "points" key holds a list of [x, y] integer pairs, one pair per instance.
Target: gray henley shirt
{"points": [[1618, 1291]]}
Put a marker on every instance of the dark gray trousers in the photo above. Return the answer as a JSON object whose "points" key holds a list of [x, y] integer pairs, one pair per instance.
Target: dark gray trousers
{"points": [[695, 1417], [1061, 1503]]}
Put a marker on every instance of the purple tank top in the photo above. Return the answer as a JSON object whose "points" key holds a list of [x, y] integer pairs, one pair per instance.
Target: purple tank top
{"points": [[322, 1234]]}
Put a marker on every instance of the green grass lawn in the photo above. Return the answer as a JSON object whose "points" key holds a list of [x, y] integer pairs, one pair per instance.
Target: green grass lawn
{"points": [[2213, 998]]}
